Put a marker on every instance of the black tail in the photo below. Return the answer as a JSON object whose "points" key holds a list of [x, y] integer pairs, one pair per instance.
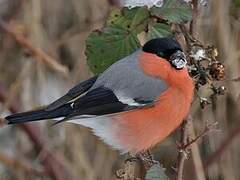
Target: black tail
{"points": [[40, 114]]}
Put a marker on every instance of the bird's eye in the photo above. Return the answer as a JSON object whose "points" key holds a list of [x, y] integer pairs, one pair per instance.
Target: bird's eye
{"points": [[160, 54]]}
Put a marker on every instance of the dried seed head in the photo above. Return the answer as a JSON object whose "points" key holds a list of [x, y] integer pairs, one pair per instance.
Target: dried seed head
{"points": [[221, 90], [217, 71], [215, 52], [204, 102]]}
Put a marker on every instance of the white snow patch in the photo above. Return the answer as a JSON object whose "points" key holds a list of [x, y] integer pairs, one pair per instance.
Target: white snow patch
{"points": [[199, 55], [139, 3]]}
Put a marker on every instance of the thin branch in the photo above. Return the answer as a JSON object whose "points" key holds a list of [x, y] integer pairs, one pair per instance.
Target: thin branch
{"points": [[205, 131], [114, 2], [196, 156], [19, 164], [52, 160], [193, 23], [216, 156], [235, 79], [133, 168], [182, 156], [2, 122], [38, 53], [183, 153]]}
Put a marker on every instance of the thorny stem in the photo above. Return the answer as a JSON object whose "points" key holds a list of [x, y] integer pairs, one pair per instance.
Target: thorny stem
{"points": [[182, 156]]}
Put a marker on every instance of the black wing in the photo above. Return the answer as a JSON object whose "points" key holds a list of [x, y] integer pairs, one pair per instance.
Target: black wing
{"points": [[100, 101], [72, 93]]}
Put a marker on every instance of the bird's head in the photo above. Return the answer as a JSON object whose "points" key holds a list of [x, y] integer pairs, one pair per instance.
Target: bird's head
{"points": [[169, 49]]}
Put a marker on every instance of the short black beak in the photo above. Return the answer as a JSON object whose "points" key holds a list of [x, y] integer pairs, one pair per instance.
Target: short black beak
{"points": [[178, 60]]}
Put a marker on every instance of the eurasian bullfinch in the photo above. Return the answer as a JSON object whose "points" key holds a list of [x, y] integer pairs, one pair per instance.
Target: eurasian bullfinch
{"points": [[133, 105]]}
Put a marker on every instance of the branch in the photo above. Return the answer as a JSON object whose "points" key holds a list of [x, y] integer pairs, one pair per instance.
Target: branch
{"points": [[205, 131], [19, 164], [114, 2], [132, 169], [51, 161], [38, 53], [137, 166], [183, 152], [193, 23], [216, 156]]}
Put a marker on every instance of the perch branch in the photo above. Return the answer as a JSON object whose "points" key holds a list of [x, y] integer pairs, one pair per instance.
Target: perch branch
{"points": [[183, 152], [182, 156]]}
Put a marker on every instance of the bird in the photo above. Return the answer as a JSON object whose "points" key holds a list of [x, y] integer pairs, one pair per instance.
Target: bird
{"points": [[134, 104]]}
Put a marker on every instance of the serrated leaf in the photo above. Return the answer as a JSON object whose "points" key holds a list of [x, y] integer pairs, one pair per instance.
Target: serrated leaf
{"points": [[140, 3], [237, 3], [173, 11], [133, 20], [105, 47], [156, 172], [158, 30]]}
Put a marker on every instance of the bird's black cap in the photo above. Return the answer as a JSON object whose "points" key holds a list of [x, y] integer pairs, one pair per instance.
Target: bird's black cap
{"points": [[163, 47]]}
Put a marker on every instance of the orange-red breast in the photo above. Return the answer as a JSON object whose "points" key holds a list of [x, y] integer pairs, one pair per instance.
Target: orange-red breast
{"points": [[137, 102]]}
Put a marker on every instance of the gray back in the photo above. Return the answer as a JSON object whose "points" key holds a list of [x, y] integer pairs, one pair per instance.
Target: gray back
{"points": [[126, 78]]}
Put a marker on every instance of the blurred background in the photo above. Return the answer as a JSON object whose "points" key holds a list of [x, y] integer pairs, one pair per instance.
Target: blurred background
{"points": [[42, 47]]}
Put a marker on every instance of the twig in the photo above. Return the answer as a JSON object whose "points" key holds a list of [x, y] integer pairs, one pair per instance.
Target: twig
{"points": [[136, 166], [196, 156], [222, 148], [114, 2], [205, 131], [235, 79], [182, 155], [19, 164], [52, 163], [2, 122], [193, 23], [38, 53], [132, 169]]}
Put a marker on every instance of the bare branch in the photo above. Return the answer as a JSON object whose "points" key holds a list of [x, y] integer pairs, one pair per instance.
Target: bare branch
{"points": [[215, 157], [205, 131], [51, 161], [38, 53], [19, 164], [183, 153]]}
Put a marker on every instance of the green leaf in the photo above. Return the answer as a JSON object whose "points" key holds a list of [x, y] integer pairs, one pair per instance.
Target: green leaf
{"points": [[156, 172], [237, 3], [134, 20], [173, 11], [157, 30], [105, 47], [118, 39]]}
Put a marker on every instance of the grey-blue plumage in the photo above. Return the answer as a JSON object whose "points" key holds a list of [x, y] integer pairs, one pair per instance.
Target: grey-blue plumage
{"points": [[128, 81]]}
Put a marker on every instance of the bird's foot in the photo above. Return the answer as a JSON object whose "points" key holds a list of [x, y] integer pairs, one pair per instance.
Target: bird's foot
{"points": [[147, 159]]}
